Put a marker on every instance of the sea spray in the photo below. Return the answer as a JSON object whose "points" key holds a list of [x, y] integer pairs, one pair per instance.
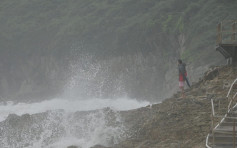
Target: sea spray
{"points": [[69, 105], [60, 123]]}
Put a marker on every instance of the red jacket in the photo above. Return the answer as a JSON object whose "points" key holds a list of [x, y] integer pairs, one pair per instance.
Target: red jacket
{"points": [[181, 76]]}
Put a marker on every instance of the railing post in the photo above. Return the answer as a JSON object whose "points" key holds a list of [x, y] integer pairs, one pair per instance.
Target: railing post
{"points": [[219, 33], [212, 124], [212, 129], [233, 31], [219, 105], [234, 142]]}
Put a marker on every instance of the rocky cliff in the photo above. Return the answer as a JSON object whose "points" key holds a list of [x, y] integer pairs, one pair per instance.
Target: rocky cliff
{"points": [[39, 40], [178, 122], [175, 122]]}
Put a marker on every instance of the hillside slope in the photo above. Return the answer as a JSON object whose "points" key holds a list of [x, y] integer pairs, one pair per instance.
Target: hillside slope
{"points": [[175, 122], [178, 122], [147, 36]]}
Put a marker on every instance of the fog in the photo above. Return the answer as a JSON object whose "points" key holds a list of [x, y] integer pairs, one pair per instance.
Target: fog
{"points": [[69, 68]]}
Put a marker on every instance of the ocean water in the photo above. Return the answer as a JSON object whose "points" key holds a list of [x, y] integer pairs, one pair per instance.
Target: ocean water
{"points": [[75, 119]]}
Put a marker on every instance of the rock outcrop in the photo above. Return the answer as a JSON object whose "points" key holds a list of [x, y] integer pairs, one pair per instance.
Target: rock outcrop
{"points": [[175, 122], [49, 128], [178, 122]]}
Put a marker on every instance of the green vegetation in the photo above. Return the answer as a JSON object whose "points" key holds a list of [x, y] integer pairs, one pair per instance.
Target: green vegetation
{"points": [[54, 26]]}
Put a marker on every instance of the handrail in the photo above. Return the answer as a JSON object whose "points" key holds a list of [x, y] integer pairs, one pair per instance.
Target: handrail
{"points": [[230, 103], [226, 31], [231, 87], [213, 108], [223, 117], [223, 33], [232, 99], [225, 21], [235, 95], [207, 139]]}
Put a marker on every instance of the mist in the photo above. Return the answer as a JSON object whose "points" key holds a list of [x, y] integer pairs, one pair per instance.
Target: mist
{"points": [[74, 73]]}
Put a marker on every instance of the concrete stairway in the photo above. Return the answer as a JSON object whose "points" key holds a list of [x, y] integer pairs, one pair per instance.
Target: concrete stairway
{"points": [[225, 133]]}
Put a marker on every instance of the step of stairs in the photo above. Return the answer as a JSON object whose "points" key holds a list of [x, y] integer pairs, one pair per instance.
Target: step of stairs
{"points": [[223, 134], [228, 123], [224, 146]]}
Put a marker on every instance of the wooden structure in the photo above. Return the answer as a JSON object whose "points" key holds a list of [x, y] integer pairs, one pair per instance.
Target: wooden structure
{"points": [[223, 135], [227, 40]]}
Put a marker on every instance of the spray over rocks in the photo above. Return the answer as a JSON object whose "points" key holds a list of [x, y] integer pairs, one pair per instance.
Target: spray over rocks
{"points": [[175, 122], [60, 129], [61, 123]]}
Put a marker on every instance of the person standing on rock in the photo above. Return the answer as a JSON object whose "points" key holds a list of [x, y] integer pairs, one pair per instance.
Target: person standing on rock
{"points": [[182, 76]]}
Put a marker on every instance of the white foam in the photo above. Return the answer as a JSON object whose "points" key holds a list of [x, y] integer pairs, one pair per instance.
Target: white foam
{"points": [[69, 106], [70, 141], [96, 129]]}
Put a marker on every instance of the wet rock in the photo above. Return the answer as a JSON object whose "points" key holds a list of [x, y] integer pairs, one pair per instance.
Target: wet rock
{"points": [[49, 127], [211, 74]]}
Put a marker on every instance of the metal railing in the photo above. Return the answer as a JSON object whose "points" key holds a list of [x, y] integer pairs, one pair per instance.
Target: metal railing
{"points": [[227, 32], [231, 99], [214, 116]]}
